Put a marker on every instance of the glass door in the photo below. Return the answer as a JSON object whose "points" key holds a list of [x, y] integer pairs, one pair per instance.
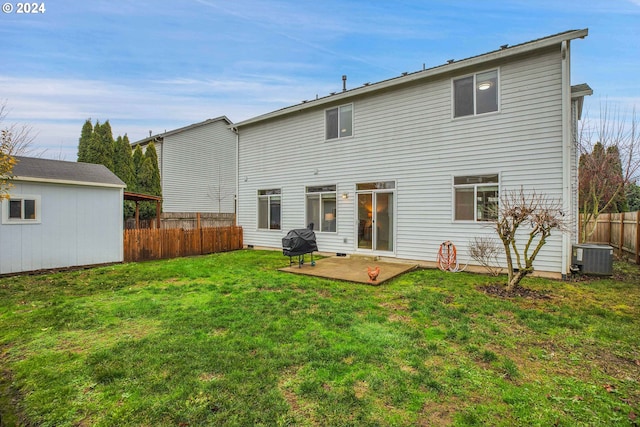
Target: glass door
{"points": [[365, 221], [383, 221], [376, 216]]}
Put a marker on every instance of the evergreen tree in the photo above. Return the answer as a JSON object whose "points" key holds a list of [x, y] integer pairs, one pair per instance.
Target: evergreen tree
{"points": [[633, 197], [85, 141], [147, 184], [123, 161], [148, 178], [138, 158], [103, 145], [155, 184]]}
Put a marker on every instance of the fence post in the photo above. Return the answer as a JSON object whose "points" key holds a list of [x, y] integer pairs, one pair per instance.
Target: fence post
{"points": [[638, 237], [621, 215]]}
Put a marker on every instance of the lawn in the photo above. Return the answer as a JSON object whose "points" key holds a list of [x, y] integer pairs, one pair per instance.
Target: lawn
{"points": [[227, 339]]}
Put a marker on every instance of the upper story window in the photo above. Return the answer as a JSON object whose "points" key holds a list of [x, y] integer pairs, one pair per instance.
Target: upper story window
{"points": [[476, 197], [475, 94], [21, 210], [321, 208], [269, 209], [339, 122]]}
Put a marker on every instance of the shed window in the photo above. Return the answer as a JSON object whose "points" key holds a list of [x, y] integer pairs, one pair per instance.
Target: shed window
{"points": [[21, 210]]}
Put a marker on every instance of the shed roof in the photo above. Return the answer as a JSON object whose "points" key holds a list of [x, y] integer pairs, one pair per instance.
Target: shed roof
{"points": [[62, 172], [504, 51]]}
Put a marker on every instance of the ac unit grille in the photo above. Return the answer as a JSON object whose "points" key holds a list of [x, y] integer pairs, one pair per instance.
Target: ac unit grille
{"points": [[593, 259]]}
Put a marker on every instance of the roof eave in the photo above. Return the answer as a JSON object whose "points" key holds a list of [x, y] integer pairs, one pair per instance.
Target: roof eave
{"points": [[423, 74], [160, 136], [67, 182]]}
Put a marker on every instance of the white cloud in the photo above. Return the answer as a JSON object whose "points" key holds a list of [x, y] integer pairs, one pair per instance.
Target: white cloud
{"points": [[57, 108]]}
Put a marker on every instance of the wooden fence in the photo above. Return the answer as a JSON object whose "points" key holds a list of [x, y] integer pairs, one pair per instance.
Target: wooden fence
{"points": [[153, 243], [620, 230], [186, 220]]}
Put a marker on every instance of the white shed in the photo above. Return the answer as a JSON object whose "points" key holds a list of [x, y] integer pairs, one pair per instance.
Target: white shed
{"points": [[60, 214]]}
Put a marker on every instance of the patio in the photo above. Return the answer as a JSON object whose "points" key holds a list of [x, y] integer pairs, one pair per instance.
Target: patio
{"points": [[350, 269]]}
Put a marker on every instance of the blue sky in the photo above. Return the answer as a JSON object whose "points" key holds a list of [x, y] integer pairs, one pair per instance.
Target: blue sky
{"points": [[159, 65]]}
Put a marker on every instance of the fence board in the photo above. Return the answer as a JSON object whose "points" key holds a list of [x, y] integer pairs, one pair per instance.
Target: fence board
{"points": [[148, 244], [620, 230]]}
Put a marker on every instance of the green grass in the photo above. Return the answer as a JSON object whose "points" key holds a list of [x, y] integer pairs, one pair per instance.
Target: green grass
{"points": [[227, 339]]}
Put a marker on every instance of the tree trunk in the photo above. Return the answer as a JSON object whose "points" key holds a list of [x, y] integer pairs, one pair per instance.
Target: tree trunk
{"points": [[515, 279]]}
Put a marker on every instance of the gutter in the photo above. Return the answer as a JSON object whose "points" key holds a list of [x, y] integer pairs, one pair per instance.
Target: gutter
{"points": [[67, 182]]}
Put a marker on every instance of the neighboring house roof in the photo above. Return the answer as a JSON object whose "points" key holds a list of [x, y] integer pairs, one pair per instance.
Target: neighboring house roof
{"points": [[159, 137], [504, 51], [578, 92], [61, 172]]}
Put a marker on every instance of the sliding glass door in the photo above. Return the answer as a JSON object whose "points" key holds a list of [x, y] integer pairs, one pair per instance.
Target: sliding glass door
{"points": [[376, 216]]}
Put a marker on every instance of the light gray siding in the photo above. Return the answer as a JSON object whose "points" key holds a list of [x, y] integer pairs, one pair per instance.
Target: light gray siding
{"points": [[80, 225], [198, 169], [407, 134]]}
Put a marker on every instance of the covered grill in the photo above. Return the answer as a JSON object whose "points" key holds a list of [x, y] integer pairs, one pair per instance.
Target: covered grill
{"points": [[299, 242]]}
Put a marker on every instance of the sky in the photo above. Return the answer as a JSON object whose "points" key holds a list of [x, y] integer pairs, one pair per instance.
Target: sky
{"points": [[158, 65]]}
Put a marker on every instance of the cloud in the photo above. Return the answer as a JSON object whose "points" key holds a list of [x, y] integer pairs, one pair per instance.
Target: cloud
{"points": [[57, 108]]}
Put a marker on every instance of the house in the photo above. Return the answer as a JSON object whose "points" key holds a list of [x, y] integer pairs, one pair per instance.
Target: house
{"points": [[395, 168], [197, 167], [60, 214]]}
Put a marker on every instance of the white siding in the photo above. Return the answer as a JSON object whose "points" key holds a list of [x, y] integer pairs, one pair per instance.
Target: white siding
{"points": [[79, 226], [408, 135], [199, 169]]}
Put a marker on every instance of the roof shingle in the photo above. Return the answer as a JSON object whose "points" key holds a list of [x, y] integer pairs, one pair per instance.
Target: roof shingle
{"points": [[30, 167]]}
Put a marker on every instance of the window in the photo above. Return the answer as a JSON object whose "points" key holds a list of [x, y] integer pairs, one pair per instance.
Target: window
{"points": [[269, 209], [21, 210], [339, 122], [476, 197], [476, 94], [321, 208]]}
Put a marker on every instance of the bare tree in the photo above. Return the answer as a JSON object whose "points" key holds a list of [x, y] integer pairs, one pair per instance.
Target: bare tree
{"points": [[15, 140], [486, 251], [218, 193], [609, 163], [20, 136], [540, 215]]}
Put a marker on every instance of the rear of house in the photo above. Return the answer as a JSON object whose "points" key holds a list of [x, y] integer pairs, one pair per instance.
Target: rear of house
{"points": [[397, 167], [60, 214]]}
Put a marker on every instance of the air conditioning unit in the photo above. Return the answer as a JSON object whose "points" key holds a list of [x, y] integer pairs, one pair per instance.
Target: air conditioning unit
{"points": [[589, 258]]}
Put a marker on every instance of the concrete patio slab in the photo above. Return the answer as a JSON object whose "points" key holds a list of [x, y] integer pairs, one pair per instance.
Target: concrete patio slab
{"points": [[350, 269]]}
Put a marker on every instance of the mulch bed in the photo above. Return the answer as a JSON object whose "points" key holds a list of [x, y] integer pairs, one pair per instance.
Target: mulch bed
{"points": [[518, 291]]}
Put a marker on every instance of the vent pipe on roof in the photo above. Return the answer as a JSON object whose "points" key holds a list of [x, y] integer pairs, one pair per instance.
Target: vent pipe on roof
{"points": [[344, 83]]}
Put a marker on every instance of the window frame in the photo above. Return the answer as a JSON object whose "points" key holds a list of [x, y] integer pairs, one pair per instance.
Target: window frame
{"points": [[339, 118], [270, 194], [475, 187], [475, 91], [6, 214], [321, 192]]}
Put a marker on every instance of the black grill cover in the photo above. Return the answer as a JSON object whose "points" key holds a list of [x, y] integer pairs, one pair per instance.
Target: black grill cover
{"points": [[299, 242]]}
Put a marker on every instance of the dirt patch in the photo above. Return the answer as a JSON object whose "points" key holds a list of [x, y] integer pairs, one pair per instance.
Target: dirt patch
{"points": [[518, 291], [438, 413]]}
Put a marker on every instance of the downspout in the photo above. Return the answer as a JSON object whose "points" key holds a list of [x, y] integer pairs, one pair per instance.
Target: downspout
{"points": [[567, 204], [235, 202]]}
